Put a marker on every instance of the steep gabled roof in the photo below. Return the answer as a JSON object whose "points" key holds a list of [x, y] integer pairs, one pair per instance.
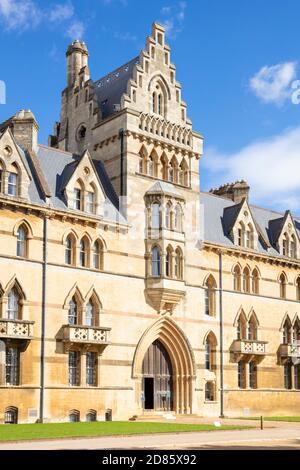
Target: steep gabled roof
{"points": [[276, 226], [215, 228], [110, 88]]}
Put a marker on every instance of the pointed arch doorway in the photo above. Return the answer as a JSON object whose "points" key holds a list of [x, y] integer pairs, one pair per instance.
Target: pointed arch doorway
{"points": [[157, 378], [179, 354]]}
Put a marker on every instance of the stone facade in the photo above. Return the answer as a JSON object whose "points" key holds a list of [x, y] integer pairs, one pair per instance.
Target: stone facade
{"points": [[108, 247]]}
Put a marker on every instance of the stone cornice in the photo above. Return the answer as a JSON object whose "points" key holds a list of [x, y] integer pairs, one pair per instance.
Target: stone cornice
{"points": [[250, 254]]}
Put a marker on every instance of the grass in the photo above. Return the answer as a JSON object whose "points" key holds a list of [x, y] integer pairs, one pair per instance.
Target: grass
{"points": [[16, 432], [290, 419]]}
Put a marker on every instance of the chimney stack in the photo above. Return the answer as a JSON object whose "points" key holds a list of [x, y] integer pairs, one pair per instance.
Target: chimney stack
{"points": [[234, 191], [25, 129]]}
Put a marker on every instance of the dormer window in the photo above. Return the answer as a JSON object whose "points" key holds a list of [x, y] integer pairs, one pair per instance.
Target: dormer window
{"points": [[293, 247], [249, 236], [241, 234], [285, 245], [77, 198], [12, 188], [90, 202]]}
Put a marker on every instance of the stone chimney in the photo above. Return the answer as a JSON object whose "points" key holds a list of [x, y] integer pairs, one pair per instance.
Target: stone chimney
{"points": [[234, 191], [25, 129], [77, 62]]}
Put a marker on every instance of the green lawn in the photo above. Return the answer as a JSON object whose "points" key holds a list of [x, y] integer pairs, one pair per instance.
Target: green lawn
{"points": [[15, 432], [291, 419]]}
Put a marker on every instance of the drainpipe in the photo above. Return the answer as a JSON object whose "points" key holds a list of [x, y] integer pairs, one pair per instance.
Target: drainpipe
{"points": [[221, 336], [121, 135], [43, 319]]}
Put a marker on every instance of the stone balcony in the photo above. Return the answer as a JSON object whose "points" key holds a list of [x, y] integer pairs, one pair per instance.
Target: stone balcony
{"points": [[289, 351], [248, 349], [88, 337], [16, 330], [163, 293]]}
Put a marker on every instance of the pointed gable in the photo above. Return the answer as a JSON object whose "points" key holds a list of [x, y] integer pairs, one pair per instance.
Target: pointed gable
{"points": [[13, 161], [240, 224], [84, 174]]}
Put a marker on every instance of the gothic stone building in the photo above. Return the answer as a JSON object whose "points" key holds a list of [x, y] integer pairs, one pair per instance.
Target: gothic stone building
{"points": [[123, 288]]}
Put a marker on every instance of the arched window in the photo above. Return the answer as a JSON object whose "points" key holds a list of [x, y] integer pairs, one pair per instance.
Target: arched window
{"points": [[97, 255], [73, 312], [293, 250], [241, 235], [11, 415], [237, 278], [78, 196], [150, 166], [90, 201], [168, 217], [83, 252], [170, 176], [210, 296], [13, 182], [155, 258], [210, 352], [255, 281], [91, 416], [74, 416], [282, 286], [70, 250], [183, 173], [155, 216], [141, 164], [178, 264], [154, 102], [246, 280], [249, 236], [90, 314], [22, 235], [298, 288], [252, 328], [296, 330], [285, 245], [13, 305], [287, 331], [178, 218], [169, 262], [160, 104], [241, 329]]}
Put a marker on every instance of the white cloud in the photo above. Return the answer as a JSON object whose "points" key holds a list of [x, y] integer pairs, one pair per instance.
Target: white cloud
{"points": [[173, 18], [61, 12], [270, 166], [76, 30], [273, 84], [20, 15]]}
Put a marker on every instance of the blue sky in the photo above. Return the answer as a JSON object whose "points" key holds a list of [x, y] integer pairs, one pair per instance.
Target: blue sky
{"points": [[237, 61]]}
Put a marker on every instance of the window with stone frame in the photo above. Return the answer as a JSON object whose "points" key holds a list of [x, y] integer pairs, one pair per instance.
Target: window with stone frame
{"points": [[252, 374], [210, 391], [12, 366], [91, 368], [241, 374], [74, 368]]}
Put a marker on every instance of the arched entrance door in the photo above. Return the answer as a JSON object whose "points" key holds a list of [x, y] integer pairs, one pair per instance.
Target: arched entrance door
{"points": [[157, 381]]}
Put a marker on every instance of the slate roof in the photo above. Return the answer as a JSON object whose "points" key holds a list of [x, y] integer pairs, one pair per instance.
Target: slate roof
{"points": [[55, 168], [109, 89], [218, 212], [162, 187]]}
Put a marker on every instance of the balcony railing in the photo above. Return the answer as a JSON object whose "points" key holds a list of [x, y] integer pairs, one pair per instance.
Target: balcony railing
{"points": [[16, 329], [289, 350], [86, 334], [245, 346]]}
